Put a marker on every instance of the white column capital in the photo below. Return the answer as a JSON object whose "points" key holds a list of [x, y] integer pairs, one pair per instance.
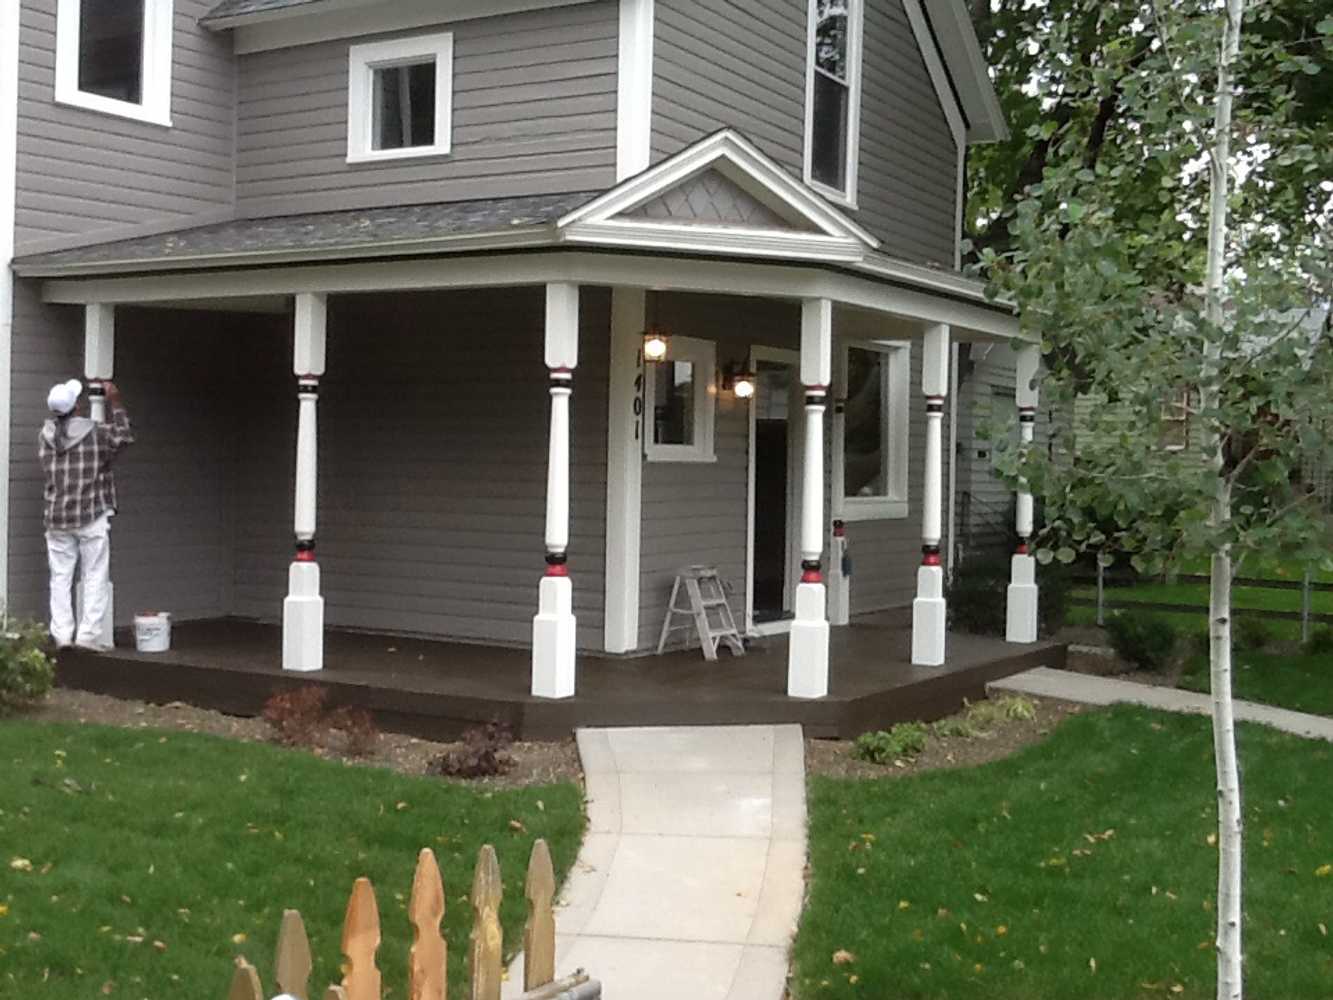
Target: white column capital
{"points": [[816, 342], [562, 325], [1027, 366], [99, 341], [935, 356], [311, 326]]}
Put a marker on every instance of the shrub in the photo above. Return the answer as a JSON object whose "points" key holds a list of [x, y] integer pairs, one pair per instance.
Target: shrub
{"points": [[906, 739], [955, 727], [359, 732], [485, 752], [1321, 641], [297, 716], [977, 593], [1253, 633], [26, 672], [1147, 641]]}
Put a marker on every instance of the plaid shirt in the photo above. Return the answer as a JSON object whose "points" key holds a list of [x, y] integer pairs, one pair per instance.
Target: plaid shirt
{"points": [[80, 486]]}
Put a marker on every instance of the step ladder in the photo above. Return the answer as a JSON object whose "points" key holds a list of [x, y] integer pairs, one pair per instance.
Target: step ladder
{"points": [[707, 603]]}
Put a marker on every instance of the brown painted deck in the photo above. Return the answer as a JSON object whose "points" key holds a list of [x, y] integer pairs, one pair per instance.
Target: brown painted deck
{"points": [[437, 688]]}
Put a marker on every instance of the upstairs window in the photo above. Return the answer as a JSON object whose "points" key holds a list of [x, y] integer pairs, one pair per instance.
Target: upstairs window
{"points": [[114, 56], [399, 98], [833, 98]]}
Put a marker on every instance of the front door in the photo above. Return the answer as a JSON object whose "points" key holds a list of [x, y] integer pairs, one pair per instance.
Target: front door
{"points": [[774, 440]]}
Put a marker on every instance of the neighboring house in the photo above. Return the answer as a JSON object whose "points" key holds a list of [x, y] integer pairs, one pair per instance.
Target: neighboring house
{"points": [[440, 217]]}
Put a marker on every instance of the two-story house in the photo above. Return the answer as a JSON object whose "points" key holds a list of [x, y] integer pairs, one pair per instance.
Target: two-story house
{"points": [[563, 294]]}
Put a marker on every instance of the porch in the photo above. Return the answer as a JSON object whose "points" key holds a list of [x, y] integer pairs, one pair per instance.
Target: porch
{"points": [[436, 688]]}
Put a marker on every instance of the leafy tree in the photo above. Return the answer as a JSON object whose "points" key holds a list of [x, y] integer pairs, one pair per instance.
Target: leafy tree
{"points": [[1143, 129]]}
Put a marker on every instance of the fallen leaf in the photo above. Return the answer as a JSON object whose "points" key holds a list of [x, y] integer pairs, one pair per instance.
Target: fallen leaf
{"points": [[1001, 931], [902, 903], [21, 865], [517, 826], [1323, 871], [1092, 964], [238, 938], [843, 957]]}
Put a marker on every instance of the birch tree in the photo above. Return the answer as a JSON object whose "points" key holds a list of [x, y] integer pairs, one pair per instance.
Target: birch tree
{"points": [[1155, 314]]}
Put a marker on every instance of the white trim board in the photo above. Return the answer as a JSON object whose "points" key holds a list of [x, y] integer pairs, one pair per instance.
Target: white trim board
{"points": [[634, 89], [364, 61], [624, 471], [9, 97]]}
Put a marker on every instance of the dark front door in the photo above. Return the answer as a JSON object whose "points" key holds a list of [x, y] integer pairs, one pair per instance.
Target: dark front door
{"points": [[772, 450]]}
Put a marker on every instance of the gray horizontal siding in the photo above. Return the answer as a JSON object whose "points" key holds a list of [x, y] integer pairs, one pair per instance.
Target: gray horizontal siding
{"points": [[81, 172], [534, 112], [718, 64]]}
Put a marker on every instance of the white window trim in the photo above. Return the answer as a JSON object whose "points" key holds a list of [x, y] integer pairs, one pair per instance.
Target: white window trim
{"points": [[855, 33], [155, 108], [895, 394], [703, 355], [363, 60]]}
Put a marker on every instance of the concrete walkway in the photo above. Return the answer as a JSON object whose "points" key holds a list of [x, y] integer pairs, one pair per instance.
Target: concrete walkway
{"points": [[690, 880], [1090, 690]]}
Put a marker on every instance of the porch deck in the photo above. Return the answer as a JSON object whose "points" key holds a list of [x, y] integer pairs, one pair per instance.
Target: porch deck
{"points": [[435, 689]]}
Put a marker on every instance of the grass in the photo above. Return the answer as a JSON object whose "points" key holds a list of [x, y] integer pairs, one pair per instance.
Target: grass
{"points": [[1187, 623], [1079, 867], [136, 837], [1300, 682]]}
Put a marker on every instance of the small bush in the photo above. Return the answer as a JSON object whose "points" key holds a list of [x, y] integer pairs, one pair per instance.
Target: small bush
{"points": [[955, 727], [1321, 641], [359, 732], [1147, 641], [297, 716], [1253, 633], [484, 753], [26, 672], [906, 739]]}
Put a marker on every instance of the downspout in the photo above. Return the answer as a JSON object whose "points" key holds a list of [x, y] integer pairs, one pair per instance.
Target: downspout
{"points": [[9, 99]]}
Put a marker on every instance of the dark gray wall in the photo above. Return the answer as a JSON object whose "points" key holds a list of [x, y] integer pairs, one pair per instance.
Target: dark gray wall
{"points": [[81, 172], [534, 112], [718, 64]]}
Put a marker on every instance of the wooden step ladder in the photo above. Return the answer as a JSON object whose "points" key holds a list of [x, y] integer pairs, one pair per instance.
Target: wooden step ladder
{"points": [[707, 601]]}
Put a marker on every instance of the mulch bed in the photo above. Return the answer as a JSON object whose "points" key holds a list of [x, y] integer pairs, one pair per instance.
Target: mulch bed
{"points": [[534, 763]]}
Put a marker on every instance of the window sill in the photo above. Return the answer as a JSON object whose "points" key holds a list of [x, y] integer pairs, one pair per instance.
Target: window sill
{"points": [[389, 155], [842, 198], [873, 509], [667, 453], [117, 109]]}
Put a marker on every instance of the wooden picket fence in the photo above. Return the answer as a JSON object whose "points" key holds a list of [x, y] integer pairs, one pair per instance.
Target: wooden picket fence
{"points": [[427, 974]]}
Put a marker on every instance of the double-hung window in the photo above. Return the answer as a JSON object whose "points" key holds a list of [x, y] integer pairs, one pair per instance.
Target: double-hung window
{"points": [[114, 56], [874, 381], [833, 98], [399, 97]]}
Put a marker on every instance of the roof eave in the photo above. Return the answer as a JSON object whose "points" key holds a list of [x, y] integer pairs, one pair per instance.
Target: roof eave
{"points": [[968, 68]]}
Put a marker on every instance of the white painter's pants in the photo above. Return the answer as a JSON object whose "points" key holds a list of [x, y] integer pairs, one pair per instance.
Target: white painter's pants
{"points": [[89, 549]]}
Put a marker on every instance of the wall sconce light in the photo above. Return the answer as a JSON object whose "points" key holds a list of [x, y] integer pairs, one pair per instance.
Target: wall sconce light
{"points": [[738, 381], [656, 344]]}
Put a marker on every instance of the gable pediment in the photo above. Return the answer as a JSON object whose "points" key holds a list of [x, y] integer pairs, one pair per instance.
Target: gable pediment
{"points": [[721, 195]]}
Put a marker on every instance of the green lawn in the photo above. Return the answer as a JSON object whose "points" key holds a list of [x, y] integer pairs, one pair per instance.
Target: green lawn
{"points": [[1303, 683], [136, 837], [1079, 867]]}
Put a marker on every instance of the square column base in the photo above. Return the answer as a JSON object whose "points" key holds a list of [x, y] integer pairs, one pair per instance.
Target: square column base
{"points": [[303, 620], [553, 667], [1021, 611], [807, 649], [929, 618]]}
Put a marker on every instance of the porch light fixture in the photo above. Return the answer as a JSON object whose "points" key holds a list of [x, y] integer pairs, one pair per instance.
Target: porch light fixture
{"points": [[656, 344], [738, 381]]}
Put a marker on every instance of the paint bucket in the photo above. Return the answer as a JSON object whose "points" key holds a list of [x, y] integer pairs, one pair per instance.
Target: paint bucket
{"points": [[152, 632]]}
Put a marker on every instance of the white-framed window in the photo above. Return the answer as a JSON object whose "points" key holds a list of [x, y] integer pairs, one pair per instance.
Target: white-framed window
{"points": [[1176, 420], [870, 450], [399, 98], [679, 404], [114, 56], [833, 98]]}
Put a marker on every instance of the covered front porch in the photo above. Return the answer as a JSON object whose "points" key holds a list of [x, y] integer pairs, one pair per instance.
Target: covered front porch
{"points": [[435, 689]]}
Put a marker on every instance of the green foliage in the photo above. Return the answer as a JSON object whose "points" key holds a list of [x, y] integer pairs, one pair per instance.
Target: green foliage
{"points": [[26, 672], [1321, 641], [955, 727], [1253, 633], [1147, 641], [906, 739], [980, 718]]}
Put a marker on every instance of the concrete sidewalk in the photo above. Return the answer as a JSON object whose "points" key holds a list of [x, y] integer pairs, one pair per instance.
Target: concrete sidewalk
{"points": [[1091, 690], [690, 880]]}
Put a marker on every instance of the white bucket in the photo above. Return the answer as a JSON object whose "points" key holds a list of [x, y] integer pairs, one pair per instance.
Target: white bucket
{"points": [[152, 632]]}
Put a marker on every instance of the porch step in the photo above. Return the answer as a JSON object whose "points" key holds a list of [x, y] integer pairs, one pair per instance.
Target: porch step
{"points": [[707, 600]]}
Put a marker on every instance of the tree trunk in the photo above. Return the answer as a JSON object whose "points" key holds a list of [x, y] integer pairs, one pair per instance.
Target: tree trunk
{"points": [[1229, 976]]}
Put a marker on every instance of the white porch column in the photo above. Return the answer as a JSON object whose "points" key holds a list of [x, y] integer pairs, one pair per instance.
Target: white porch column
{"points": [[99, 356], [807, 652], [553, 669], [928, 610], [624, 471], [303, 610], [1021, 615]]}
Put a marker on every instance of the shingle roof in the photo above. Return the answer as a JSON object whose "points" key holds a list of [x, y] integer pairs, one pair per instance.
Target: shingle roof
{"points": [[400, 229], [236, 8]]}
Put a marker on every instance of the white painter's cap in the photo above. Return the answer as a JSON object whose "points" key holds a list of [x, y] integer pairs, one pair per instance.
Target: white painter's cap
{"points": [[64, 396]]}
